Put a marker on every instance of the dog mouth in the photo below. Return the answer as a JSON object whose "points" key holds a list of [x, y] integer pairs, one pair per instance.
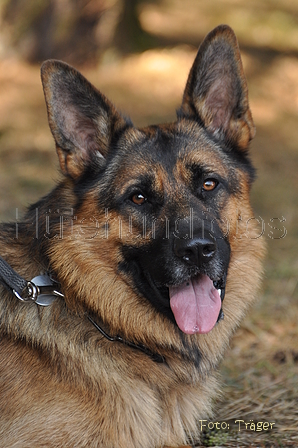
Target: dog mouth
{"points": [[196, 304], [190, 297]]}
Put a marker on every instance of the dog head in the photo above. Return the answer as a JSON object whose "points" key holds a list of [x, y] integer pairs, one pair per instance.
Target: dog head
{"points": [[167, 198]]}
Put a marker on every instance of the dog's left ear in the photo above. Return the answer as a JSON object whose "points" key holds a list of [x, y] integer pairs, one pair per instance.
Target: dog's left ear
{"points": [[82, 120], [216, 91]]}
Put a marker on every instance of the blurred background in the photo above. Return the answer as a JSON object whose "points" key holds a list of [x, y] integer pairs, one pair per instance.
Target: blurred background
{"points": [[138, 53]]}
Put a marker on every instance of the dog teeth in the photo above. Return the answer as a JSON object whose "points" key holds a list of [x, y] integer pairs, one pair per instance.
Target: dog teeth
{"points": [[221, 291]]}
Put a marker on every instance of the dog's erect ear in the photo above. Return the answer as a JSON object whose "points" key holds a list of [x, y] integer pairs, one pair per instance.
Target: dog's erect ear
{"points": [[216, 90], [83, 122]]}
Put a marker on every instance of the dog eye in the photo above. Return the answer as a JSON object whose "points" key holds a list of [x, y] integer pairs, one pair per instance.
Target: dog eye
{"points": [[138, 199], [210, 184]]}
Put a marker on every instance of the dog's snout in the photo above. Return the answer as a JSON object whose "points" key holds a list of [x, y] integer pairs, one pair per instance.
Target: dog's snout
{"points": [[195, 251]]}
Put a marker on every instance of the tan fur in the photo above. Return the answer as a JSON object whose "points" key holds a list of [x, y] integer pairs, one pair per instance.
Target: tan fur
{"points": [[62, 384]]}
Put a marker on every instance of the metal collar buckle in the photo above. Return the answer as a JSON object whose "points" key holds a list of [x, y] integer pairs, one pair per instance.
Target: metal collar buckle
{"points": [[41, 290]]}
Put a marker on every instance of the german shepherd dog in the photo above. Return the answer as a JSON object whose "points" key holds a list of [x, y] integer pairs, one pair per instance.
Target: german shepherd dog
{"points": [[151, 243]]}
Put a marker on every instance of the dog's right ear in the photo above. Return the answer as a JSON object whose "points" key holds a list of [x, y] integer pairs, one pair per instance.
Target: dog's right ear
{"points": [[83, 122]]}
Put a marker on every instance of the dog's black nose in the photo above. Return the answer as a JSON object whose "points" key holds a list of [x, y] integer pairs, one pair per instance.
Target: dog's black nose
{"points": [[195, 251]]}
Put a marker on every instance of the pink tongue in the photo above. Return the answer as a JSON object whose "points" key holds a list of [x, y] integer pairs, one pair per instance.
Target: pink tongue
{"points": [[195, 305]]}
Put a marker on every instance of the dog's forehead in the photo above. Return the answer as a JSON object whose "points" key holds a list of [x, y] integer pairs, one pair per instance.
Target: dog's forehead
{"points": [[173, 147]]}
